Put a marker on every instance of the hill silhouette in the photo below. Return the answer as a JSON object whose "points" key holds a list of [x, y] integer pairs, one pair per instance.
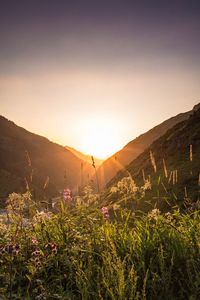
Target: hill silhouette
{"points": [[27, 158], [84, 157]]}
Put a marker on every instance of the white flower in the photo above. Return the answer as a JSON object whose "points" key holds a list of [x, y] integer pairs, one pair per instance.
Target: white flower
{"points": [[154, 214], [113, 189], [147, 185], [42, 216]]}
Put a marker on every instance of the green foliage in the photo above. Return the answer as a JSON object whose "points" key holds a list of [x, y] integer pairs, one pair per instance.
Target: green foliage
{"points": [[77, 253]]}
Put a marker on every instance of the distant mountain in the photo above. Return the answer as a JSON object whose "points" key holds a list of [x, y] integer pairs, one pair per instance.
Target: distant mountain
{"points": [[25, 156], [122, 158], [84, 157], [179, 150]]}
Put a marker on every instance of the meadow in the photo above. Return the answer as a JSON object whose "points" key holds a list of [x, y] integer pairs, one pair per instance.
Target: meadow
{"points": [[81, 250]]}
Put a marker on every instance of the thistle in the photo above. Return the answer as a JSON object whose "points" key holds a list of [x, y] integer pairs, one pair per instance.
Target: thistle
{"points": [[94, 166]]}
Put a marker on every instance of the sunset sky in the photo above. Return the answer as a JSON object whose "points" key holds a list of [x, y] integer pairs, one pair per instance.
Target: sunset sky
{"points": [[95, 74]]}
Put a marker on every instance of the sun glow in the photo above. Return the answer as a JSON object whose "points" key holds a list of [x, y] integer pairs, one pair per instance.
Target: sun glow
{"points": [[100, 137]]}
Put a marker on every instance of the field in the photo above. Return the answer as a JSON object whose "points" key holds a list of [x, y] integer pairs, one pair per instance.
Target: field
{"points": [[79, 250]]}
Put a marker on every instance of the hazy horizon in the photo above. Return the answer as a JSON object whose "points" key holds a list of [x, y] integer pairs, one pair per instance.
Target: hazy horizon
{"points": [[91, 154]]}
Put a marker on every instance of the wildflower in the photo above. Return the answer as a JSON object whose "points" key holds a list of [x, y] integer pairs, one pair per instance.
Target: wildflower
{"points": [[154, 214], [36, 253], [113, 189], [51, 247], [37, 260], [147, 185], [17, 202], [88, 195], [67, 195], [37, 256], [12, 249], [38, 264], [169, 217], [41, 217], [126, 186], [34, 241], [105, 212]]}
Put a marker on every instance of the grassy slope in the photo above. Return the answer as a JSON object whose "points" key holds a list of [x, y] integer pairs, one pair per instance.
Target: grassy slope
{"points": [[112, 165], [174, 148]]}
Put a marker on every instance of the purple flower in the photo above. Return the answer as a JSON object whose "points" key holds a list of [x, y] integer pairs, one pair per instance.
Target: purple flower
{"points": [[105, 212], [67, 195]]}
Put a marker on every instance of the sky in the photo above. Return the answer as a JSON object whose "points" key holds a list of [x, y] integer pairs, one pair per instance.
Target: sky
{"points": [[93, 75]]}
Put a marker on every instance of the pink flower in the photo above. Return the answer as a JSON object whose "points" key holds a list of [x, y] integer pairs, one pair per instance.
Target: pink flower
{"points": [[34, 241], [67, 195], [105, 212]]}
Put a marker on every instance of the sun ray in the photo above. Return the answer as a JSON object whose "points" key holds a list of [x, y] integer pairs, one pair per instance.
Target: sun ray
{"points": [[100, 137]]}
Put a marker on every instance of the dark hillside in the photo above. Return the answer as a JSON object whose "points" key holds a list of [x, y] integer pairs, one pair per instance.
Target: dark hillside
{"points": [[27, 155], [179, 151], [122, 158]]}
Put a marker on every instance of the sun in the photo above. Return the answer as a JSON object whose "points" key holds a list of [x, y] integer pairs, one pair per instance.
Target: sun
{"points": [[99, 137]]}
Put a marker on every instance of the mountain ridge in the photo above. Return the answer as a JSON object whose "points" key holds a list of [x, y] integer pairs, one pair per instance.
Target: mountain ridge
{"points": [[22, 152], [130, 151], [85, 157], [175, 168]]}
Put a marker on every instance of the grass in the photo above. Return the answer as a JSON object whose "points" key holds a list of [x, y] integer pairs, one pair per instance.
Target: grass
{"points": [[102, 246], [77, 252]]}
